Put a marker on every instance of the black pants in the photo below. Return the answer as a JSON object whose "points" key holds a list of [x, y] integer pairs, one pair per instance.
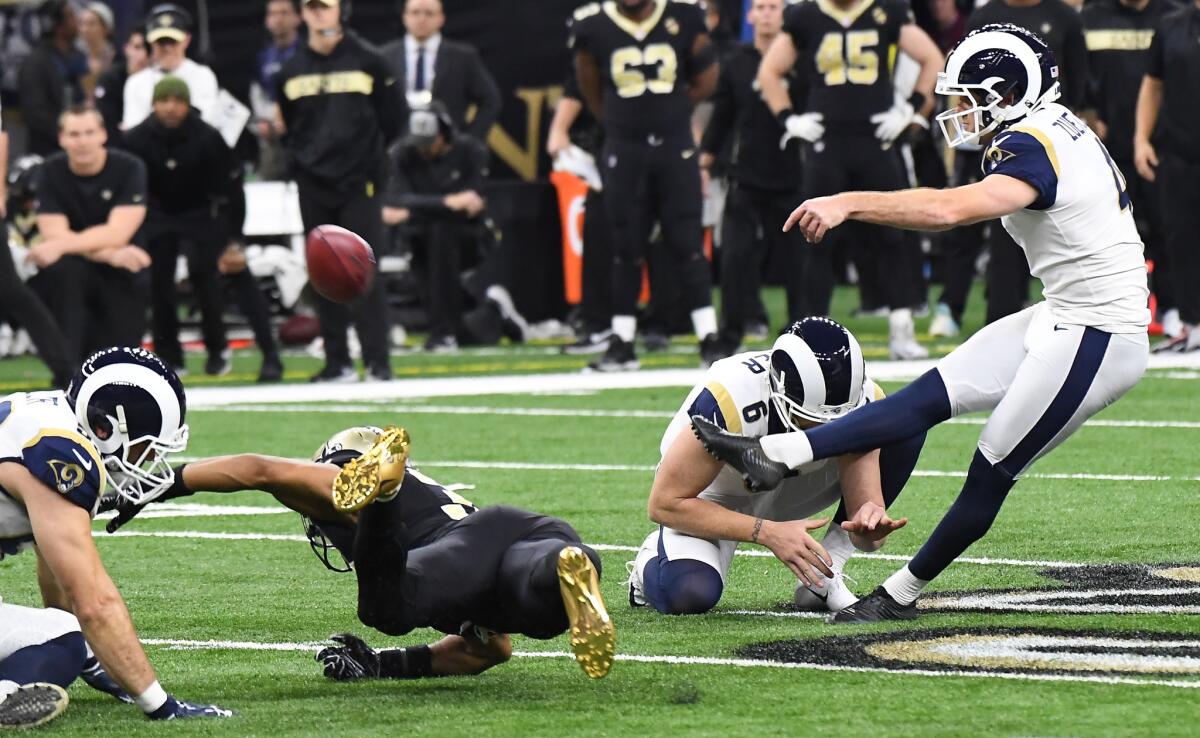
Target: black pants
{"points": [[961, 246], [751, 228], [202, 245], [595, 309], [358, 211], [1147, 213], [496, 569], [856, 162], [254, 307], [1180, 192], [20, 303], [648, 181], [96, 305], [1007, 275], [438, 248]]}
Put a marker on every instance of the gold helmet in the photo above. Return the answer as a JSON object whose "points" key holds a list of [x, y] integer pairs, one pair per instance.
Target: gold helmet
{"points": [[347, 444]]}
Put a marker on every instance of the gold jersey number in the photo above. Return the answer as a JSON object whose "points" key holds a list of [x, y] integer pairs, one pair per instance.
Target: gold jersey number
{"points": [[633, 82], [849, 58]]}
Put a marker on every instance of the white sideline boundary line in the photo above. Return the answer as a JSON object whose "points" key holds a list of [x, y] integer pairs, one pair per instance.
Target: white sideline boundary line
{"points": [[399, 389], [712, 661], [201, 535], [559, 412]]}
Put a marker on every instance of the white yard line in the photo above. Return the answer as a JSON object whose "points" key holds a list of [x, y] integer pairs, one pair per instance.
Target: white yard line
{"points": [[753, 553], [528, 383], [560, 412], [712, 661], [536, 466]]}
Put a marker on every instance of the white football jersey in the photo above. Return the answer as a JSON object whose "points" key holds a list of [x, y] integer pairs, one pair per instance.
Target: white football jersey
{"points": [[1079, 235], [736, 395], [39, 430]]}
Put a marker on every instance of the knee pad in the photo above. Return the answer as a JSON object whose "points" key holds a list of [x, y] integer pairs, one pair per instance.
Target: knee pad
{"points": [[682, 587]]}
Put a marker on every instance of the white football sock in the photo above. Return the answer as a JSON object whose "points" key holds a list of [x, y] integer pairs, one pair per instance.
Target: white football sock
{"points": [[904, 587], [624, 327], [837, 544], [790, 449], [704, 321]]}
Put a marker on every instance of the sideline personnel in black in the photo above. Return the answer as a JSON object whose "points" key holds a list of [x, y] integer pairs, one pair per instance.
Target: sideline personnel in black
{"points": [[195, 187], [91, 204], [642, 65], [1118, 35], [339, 107], [1172, 152], [764, 181], [436, 176]]}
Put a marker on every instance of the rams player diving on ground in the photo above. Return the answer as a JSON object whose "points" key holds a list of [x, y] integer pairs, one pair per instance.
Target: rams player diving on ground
{"points": [[122, 415], [1043, 371], [814, 373], [424, 557]]}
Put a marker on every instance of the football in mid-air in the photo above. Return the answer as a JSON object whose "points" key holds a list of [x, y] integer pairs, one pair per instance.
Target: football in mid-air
{"points": [[341, 266]]}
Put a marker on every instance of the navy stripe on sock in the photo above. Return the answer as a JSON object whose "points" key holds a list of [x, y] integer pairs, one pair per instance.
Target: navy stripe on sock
{"points": [[1088, 358]]}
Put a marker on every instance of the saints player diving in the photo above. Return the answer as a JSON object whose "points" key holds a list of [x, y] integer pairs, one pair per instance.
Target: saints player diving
{"points": [[424, 557], [121, 417], [814, 373], [1042, 372]]}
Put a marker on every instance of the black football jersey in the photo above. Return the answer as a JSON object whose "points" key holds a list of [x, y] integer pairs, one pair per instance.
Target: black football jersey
{"points": [[644, 66], [428, 506], [848, 56]]}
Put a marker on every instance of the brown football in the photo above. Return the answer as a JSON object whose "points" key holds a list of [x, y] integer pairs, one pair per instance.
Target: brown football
{"points": [[341, 266]]}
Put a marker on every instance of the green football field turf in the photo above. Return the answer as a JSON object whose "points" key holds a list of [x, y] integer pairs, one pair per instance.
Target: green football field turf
{"points": [[231, 604]]}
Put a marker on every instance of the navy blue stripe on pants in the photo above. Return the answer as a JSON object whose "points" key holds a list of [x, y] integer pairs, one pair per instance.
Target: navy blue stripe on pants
{"points": [[1088, 358]]}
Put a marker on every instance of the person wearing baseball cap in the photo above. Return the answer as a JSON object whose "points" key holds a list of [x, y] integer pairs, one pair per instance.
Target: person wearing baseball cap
{"points": [[169, 33]]}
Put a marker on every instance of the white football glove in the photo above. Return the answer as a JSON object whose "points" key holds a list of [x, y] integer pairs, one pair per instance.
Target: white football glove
{"points": [[891, 123], [806, 126]]}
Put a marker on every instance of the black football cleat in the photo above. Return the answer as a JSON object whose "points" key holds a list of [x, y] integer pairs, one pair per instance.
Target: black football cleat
{"points": [[712, 350], [619, 357], [875, 607], [746, 455]]}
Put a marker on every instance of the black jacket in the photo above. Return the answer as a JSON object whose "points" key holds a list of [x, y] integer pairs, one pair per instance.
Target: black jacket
{"points": [[460, 80], [192, 176], [341, 111], [740, 114], [47, 83], [110, 100], [420, 185]]}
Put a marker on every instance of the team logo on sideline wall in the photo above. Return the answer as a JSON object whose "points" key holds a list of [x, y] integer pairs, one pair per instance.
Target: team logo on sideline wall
{"points": [[998, 651]]}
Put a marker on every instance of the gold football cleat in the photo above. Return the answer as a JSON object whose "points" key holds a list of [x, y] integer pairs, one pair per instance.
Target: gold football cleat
{"points": [[377, 474], [593, 637]]}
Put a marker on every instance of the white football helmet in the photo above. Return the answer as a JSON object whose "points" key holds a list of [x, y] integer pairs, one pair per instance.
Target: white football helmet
{"points": [[986, 67], [132, 406]]}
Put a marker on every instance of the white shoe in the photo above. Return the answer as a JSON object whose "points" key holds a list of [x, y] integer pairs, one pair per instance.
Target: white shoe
{"points": [[902, 342], [1172, 326], [1193, 338], [834, 596], [6, 340], [943, 325]]}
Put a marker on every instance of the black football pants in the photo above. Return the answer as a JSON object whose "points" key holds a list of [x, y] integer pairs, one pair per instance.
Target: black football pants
{"points": [[961, 246], [21, 304], [595, 309], [647, 181], [496, 569], [358, 211], [839, 163], [751, 228], [1180, 198], [438, 247]]}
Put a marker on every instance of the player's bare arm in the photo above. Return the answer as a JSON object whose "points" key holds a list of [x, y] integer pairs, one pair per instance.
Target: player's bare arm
{"points": [[64, 535], [778, 61], [703, 82], [566, 112], [921, 209], [302, 486], [924, 51], [588, 74], [468, 655], [675, 502], [1149, 102], [862, 491], [52, 593]]}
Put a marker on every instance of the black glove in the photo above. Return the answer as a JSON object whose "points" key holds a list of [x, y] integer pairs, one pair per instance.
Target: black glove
{"points": [[127, 511], [354, 659], [98, 679]]}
